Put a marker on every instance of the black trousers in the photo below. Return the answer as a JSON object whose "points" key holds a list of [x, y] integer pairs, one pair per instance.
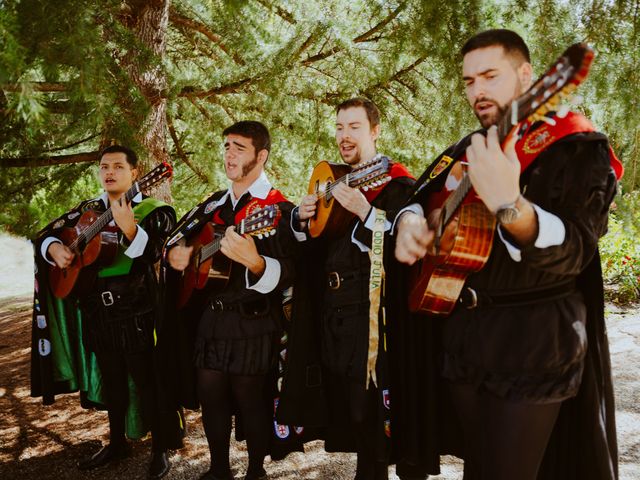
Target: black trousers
{"points": [[116, 367], [503, 440]]}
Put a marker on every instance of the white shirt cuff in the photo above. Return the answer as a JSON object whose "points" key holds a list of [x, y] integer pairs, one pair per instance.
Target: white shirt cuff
{"points": [[369, 222], [551, 232], [414, 208], [45, 246], [137, 246], [269, 279], [299, 236]]}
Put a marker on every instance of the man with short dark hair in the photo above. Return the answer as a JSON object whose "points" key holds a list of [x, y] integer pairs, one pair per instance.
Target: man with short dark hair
{"points": [[119, 305], [527, 334], [240, 324], [347, 296]]}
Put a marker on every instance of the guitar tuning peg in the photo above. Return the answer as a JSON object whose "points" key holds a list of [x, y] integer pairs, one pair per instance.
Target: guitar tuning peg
{"points": [[563, 111], [272, 233], [260, 236], [365, 188], [548, 121]]}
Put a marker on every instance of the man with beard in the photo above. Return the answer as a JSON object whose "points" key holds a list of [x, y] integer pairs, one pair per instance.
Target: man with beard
{"points": [[525, 347], [343, 304], [240, 325], [119, 313]]}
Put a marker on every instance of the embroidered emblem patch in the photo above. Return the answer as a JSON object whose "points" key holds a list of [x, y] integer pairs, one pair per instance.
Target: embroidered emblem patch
{"points": [[386, 401], [441, 166], [538, 141], [41, 320], [209, 208], [282, 431], [177, 237], [44, 347]]}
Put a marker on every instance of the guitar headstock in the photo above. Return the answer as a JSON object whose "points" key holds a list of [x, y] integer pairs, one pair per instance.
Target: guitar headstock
{"points": [[160, 172], [262, 222], [554, 86], [370, 175]]}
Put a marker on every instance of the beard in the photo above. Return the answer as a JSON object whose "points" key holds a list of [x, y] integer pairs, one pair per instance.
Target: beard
{"points": [[494, 118], [246, 169], [354, 157]]}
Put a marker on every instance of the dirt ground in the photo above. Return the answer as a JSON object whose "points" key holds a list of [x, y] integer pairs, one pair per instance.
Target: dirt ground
{"points": [[39, 442]]}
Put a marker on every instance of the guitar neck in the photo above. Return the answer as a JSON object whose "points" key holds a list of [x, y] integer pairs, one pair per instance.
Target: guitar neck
{"points": [[211, 248], [102, 221]]}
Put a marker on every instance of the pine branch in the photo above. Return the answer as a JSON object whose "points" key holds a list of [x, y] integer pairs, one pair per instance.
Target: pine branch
{"points": [[181, 153], [181, 20], [385, 21], [281, 12], [228, 88], [57, 149], [46, 87], [46, 161], [367, 36]]}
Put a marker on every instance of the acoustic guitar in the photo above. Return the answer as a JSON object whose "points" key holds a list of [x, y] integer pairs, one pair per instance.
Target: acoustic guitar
{"points": [[208, 264], [331, 219], [94, 242], [464, 231]]}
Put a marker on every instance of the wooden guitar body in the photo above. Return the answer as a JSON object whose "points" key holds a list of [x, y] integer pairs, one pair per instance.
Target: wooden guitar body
{"points": [[199, 273], [436, 281], [100, 251], [331, 219]]}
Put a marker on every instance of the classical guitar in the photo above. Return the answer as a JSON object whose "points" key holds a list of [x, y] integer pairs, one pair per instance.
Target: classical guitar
{"points": [[464, 230], [208, 264], [93, 241], [331, 219]]}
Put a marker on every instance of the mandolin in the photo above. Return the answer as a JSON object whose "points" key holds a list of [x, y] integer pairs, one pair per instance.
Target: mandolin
{"points": [[331, 219], [207, 264], [94, 241], [464, 229]]}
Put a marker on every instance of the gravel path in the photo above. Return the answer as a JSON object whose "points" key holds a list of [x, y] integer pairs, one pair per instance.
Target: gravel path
{"points": [[39, 442]]}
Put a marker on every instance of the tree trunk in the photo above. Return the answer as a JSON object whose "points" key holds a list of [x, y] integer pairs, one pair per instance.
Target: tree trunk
{"points": [[148, 21]]}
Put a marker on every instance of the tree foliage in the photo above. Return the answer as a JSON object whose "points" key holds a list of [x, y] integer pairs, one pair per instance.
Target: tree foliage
{"points": [[168, 76]]}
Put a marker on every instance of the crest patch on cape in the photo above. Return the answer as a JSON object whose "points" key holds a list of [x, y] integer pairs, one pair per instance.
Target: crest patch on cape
{"points": [[282, 431], [386, 401], [41, 320], [441, 166], [44, 347], [177, 237], [209, 208], [537, 142]]}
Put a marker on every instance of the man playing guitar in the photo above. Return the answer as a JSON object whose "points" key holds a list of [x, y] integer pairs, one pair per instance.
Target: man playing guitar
{"points": [[352, 339], [240, 325], [119, 308], [515, 345]]}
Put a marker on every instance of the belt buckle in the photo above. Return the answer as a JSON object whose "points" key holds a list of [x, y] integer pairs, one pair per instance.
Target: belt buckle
{"points": [[474, 299], [107, 298], [334, 280], [217, 305]]}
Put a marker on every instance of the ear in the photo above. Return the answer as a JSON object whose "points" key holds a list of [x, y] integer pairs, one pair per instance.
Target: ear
{"points": [[525, 74], [134, 174], [263, 155], [375, 132]]}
